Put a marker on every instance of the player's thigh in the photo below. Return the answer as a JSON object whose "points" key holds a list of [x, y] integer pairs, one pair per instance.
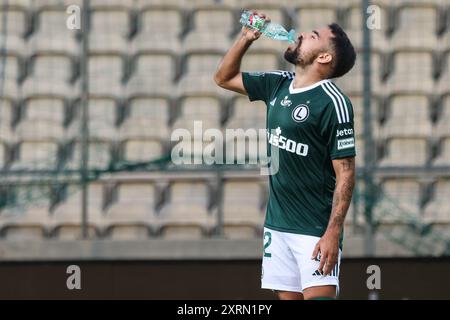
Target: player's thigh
{"points": [[302, 247], [280, 271]]}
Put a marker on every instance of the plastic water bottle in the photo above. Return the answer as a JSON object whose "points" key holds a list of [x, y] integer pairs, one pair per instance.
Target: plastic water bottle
{"points": [[269, 29]]}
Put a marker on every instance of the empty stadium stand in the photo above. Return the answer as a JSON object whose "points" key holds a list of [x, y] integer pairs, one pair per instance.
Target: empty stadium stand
{"points": [[150, 71]]}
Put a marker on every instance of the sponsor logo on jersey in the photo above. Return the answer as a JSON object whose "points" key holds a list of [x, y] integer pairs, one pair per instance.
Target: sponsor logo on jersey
{"points": [[346, 143], [284, 143], [300, 113], [345, 132], [286, 102], [272, 103]]}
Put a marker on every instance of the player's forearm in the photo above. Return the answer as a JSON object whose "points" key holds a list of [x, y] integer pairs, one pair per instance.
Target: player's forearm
{"points": [[342, 197], [231, 63]]}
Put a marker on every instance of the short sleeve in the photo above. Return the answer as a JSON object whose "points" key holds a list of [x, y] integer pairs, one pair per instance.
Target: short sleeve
{"points": [[338, 129], [261, 85]]}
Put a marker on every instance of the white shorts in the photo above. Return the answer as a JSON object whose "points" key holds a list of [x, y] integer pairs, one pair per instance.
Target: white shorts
{"points": [[287, 263]]}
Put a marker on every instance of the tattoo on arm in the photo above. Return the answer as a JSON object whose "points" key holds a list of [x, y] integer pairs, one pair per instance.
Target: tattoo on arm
{"points": [[348, 164], [343, 192]]}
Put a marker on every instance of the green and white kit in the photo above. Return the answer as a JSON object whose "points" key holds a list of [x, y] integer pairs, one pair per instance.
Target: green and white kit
{"points": [[310, 126]]}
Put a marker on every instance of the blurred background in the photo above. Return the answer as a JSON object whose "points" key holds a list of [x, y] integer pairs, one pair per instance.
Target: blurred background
{"points": [[86, 117]]}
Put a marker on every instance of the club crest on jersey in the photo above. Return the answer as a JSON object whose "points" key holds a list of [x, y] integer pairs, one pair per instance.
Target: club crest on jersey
{"points": [[300, 113], [286, 102]]}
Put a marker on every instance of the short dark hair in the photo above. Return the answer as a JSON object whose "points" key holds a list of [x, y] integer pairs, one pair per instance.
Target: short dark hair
{"points": [[344, 52]]}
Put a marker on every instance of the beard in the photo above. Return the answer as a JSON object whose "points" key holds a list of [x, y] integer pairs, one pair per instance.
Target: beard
{"points": [[297, 57]]}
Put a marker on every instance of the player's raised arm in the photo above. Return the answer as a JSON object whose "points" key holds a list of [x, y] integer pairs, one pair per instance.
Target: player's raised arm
{"points": [[228, 74]]}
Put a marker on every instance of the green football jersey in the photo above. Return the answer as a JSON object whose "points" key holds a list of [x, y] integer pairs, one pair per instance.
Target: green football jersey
{"points": [[310, 126]]}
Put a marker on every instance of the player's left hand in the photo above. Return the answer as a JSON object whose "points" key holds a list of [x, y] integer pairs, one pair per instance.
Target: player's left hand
{"points": [[328, 249]]}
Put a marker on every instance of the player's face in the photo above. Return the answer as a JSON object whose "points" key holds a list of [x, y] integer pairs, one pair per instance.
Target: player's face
{"points": [[308, 46]]}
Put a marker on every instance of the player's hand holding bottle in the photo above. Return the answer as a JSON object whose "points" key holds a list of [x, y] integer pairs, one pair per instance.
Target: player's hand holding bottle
{"points": [[251, 33]]}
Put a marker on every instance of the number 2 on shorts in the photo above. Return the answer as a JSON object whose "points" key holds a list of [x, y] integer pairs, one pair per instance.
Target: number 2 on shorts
{"points": [[267, 235]]}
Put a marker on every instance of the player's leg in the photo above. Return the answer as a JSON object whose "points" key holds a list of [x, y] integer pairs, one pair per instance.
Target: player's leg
{"points": [[320, 293], [279, 267], [314, 284], [288, 295]]}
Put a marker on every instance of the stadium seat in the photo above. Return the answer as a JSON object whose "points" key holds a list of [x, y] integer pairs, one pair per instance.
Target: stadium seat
{"points": [[355, 215], [320, 3], [130, 217], [412, 73], [154, 4], [198, 78], [212, 28], [358, 115], [199, 4], [51, 33], [408, 116], [443, 158], [7, 111], [159, 30], [27, 219], [35, 155], [110, 29], [12, 72], [399, 201], [417, 27], [186, 150], [147, 118], [50, 76], [444, 40], [242, 209], [153, 74], [353, 82], [442, 129], [186, 214], [246, 148], [66, 218], [311, 17], [106, 73], [405, 152], [360, 163], [99, 155], [386, 243], [247, 115], [246, 133], [102, 115], [14, 27], [438, 210], [354, 30], [443, 83], [43, 4], [135, 150], [253, 61], [42, 119], [206, 111], [2, 155]]}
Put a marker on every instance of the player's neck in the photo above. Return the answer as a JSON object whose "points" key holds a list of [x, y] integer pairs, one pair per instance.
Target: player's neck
{"points": [[305, 77]]}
